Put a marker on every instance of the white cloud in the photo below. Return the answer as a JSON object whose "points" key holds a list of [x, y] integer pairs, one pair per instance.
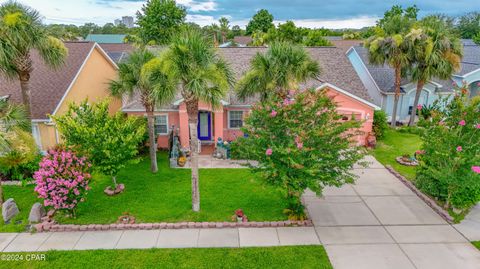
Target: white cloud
{"points": [[196, 6]]}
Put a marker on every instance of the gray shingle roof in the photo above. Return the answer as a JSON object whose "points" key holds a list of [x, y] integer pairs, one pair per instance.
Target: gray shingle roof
{"points": [[336, 70], [471, 57]]}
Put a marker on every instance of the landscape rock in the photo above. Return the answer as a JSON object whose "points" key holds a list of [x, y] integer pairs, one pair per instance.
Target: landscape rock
{"points": [[37, 213], [9, 210]]}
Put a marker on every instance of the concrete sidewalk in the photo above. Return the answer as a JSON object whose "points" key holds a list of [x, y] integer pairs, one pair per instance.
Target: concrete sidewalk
{"points": [[470, 226], [171, 238], [380, 223]]}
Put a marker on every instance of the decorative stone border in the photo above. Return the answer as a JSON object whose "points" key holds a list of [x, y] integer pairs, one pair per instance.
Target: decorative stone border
{"points": [[429, 201], [52, 227]]}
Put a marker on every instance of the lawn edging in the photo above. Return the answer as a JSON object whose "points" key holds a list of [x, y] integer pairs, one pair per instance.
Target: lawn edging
{"points": [[429, 201], [50, 226]]}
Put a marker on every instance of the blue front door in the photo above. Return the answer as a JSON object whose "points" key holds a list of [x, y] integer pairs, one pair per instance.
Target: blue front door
{"points": [[204, 126]]}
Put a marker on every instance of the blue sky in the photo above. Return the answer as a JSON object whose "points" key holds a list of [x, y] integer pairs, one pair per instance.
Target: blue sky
{"points": [[309, 13]]}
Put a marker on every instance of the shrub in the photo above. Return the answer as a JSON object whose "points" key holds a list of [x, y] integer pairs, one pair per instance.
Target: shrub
{"points": [[62, 180], [300, 143], [452, 151], [380, 123]]}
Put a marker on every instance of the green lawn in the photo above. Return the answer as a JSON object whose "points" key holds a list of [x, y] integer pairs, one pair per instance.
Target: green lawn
{"points": [[476, 244], [25, 198], [166, 196], [273, 257], [396, 144]]}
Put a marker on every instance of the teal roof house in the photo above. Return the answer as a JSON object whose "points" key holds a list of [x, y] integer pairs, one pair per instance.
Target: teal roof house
{"points": [[106, 39]]}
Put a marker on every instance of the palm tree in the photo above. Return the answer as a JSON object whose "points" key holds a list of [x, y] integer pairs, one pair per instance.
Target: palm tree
{"points": [[436, 53], [202, 76], [153, 89], [13, 118], [280, 69], [21, 31], [224, 28]]}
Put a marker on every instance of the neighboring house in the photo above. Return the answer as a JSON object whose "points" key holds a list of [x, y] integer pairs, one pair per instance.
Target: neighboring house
{"points": [[380, 81], [86, 74], [242, 41], [117, 52], [338, 78], [106, 38]]}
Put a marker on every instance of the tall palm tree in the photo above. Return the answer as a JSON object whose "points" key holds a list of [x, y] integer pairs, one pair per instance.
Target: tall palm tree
{"points": [[224, 28], [154, 88], [21, 31], [436, 53], [281, 68], [13, 118], [202, 76]]}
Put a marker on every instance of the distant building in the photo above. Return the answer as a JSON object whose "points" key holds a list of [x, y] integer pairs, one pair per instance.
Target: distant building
{"points": [[106, 38], [125, 20]]}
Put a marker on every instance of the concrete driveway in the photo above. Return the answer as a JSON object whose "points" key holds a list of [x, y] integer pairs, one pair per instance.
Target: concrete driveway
{"points": [[380, 223]]}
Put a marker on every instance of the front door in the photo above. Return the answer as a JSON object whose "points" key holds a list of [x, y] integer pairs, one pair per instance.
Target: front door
{"points": [[204, 126]]}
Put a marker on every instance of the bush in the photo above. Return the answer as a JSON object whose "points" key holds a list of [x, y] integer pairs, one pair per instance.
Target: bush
{"points": [[62, 180], [380, 123], [448, 170], [300, 143]]}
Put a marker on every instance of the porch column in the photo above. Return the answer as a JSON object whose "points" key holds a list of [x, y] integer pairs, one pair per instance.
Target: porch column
{"points": [[183, 128], [218, 125]]}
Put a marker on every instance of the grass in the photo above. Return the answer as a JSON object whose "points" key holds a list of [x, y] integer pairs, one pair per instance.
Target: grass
{"points": [[476, 244], [166, 196], [396, 144], [272, 257], [24, 198]]}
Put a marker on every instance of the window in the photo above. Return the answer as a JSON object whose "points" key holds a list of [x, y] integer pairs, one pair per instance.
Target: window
{"points": [[235, 119], [161, 125]]}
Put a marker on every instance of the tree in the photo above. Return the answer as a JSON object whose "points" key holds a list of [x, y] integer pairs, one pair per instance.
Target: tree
{"points": [[277, 71], [108, 142], [21, 31], [159, 20], [286, 32], [469, 25], [203, 76], [236, 31], [387, 46], [436, 53], [14, 136], [153, 89], [315, 38], [224, 28], [300, 142], [261, 21]]}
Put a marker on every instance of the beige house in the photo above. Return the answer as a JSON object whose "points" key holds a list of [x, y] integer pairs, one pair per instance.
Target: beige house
{"points": [[85, 74]]}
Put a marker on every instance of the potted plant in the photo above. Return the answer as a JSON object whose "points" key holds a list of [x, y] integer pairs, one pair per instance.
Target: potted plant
{"points": [[182, 160], [239, 216]]}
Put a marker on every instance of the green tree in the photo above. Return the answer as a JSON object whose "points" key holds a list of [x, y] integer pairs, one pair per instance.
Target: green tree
{"points": [[14, 140], [277, 71], [236, 31], [202, 76], [159, 20], [469, 25], [224, 28], [315, 38], [387, 46], [109, 142], [286, 32], [261, 21], [436, 53], [21, 31], [300, 142], [153, 89]]}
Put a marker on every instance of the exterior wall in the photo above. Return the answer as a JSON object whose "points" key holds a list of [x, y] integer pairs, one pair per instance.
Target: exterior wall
{"points": [[365, 77], [91, 83], [173, 121], [231, 134]]}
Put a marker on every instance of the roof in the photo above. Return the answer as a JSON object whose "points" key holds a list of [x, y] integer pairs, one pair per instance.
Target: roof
{"points": [[117, 52], [471, 57], [49, 86], [106, 38], [336, 70], [243, 40], [384, 75]]}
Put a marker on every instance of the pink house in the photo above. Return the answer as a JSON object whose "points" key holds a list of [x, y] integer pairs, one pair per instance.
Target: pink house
{"points": [[338, 78]]}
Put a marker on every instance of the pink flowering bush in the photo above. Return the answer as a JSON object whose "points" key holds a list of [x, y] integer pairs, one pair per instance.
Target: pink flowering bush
{"points": [[451, 142], [300, 142], [62, 180]]}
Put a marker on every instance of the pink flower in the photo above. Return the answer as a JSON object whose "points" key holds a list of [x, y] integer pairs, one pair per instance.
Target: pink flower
{"points": [[273, 114], [300, 145], [476, 169], [269, 152], [419, 107], [477, 126], [478, 84], [291, 92], [459, 148], [461, 123], [420, 152]]}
